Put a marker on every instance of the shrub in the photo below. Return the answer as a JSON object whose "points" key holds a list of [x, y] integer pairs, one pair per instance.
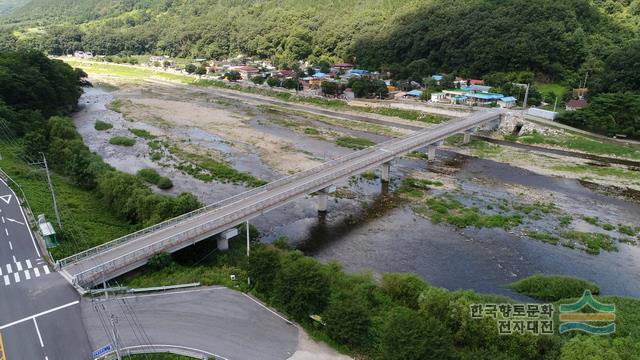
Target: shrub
{"points": [[264, 264], [101, 125], [403, 288], [160, 261], [142, 133], [348, 319], [164, 183], [301, 287], [149, 175], [553, 287], [407, 335], [122, 141]]}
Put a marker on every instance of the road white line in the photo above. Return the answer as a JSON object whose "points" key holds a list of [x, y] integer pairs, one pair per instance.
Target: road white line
{"points": [[16, 277], [271, 311], [39, 314], [3, 219], [14, 259], [19, 265], [36, 272], [15, 221], [28, 263], [6, 231], [33, 240], [38, 331], [6, 280], [10, 245], [9, 269], [27, 275], [46, 269]]}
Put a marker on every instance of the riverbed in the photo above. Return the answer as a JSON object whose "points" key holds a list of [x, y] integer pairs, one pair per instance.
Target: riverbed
{"points": [[360, 229]]}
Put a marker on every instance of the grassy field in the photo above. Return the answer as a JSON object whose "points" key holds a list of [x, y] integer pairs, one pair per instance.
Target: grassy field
{"points": [[556, 89], [354, 142], [580, 143], [599, 170], [87, 222]]}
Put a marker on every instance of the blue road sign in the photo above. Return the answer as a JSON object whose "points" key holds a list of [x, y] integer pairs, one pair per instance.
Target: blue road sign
{"points": [[103, 350]]}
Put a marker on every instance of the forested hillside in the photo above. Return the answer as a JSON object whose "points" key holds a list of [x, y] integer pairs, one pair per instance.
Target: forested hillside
{"points": [[557, 39]]}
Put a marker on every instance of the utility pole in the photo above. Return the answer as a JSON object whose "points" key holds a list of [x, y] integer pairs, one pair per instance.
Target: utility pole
{"points": [[53, 194], [114, 334], [247, 237], [526, 97]]}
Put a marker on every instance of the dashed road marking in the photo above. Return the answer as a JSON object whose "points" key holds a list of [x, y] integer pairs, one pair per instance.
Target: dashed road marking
{"points": [[6, 280], [46, 269], [9, 271], [28, 263], [27, 275], [16, 277], [36, 272], [10, 245], [19, 265], [6, 231]]}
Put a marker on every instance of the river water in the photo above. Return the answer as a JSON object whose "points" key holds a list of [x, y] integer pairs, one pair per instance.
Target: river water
{"points": [[364, 233]]}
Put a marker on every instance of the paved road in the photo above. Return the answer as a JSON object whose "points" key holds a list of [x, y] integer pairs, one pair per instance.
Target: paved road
{"points": [[217, 320], [174, 235], [40, 317]]}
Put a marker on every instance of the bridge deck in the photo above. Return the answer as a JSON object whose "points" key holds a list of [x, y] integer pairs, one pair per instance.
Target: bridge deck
{"points": [[111, 260]]}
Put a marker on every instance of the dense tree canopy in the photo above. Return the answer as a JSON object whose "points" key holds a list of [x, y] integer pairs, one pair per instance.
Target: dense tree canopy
{"points": [[555, 39]]}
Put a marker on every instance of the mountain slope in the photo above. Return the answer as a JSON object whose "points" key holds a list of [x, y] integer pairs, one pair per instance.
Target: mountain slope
{"points": [[410, 38]]}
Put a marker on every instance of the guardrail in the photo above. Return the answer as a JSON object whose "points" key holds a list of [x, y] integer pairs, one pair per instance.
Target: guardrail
{"points": [[387, 151]]}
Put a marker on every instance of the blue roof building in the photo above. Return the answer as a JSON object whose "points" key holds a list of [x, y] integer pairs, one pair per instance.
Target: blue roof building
{"points": [[414, 93], [437, 77]]}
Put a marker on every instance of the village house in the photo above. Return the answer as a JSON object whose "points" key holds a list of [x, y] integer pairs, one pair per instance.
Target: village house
{"points": [[507, 102], [576, 104], [246, 72]]}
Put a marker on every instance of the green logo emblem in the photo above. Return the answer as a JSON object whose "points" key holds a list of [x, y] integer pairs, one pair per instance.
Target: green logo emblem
{"points": [[572, 319]]}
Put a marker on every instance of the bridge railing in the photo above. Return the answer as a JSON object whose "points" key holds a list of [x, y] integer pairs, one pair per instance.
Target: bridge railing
{"points": [[93, 274], [407, 143], [228, 201]]}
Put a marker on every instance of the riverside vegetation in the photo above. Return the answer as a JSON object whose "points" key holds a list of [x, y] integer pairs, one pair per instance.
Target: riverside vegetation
{"points": [[397, 317], [32, 116]]}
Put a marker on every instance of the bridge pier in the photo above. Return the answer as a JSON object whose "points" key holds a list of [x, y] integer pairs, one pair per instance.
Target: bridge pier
{"points": [[323, 198], [431, 150], [223, 244], [386, 171]]}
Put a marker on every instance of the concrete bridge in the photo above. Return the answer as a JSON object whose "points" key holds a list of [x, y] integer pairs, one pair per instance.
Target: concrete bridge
{"points": [[109, 260]]}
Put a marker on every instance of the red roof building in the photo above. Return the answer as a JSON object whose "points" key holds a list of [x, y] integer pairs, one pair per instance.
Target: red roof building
{"points": [[576, 104], [476, 82]]}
